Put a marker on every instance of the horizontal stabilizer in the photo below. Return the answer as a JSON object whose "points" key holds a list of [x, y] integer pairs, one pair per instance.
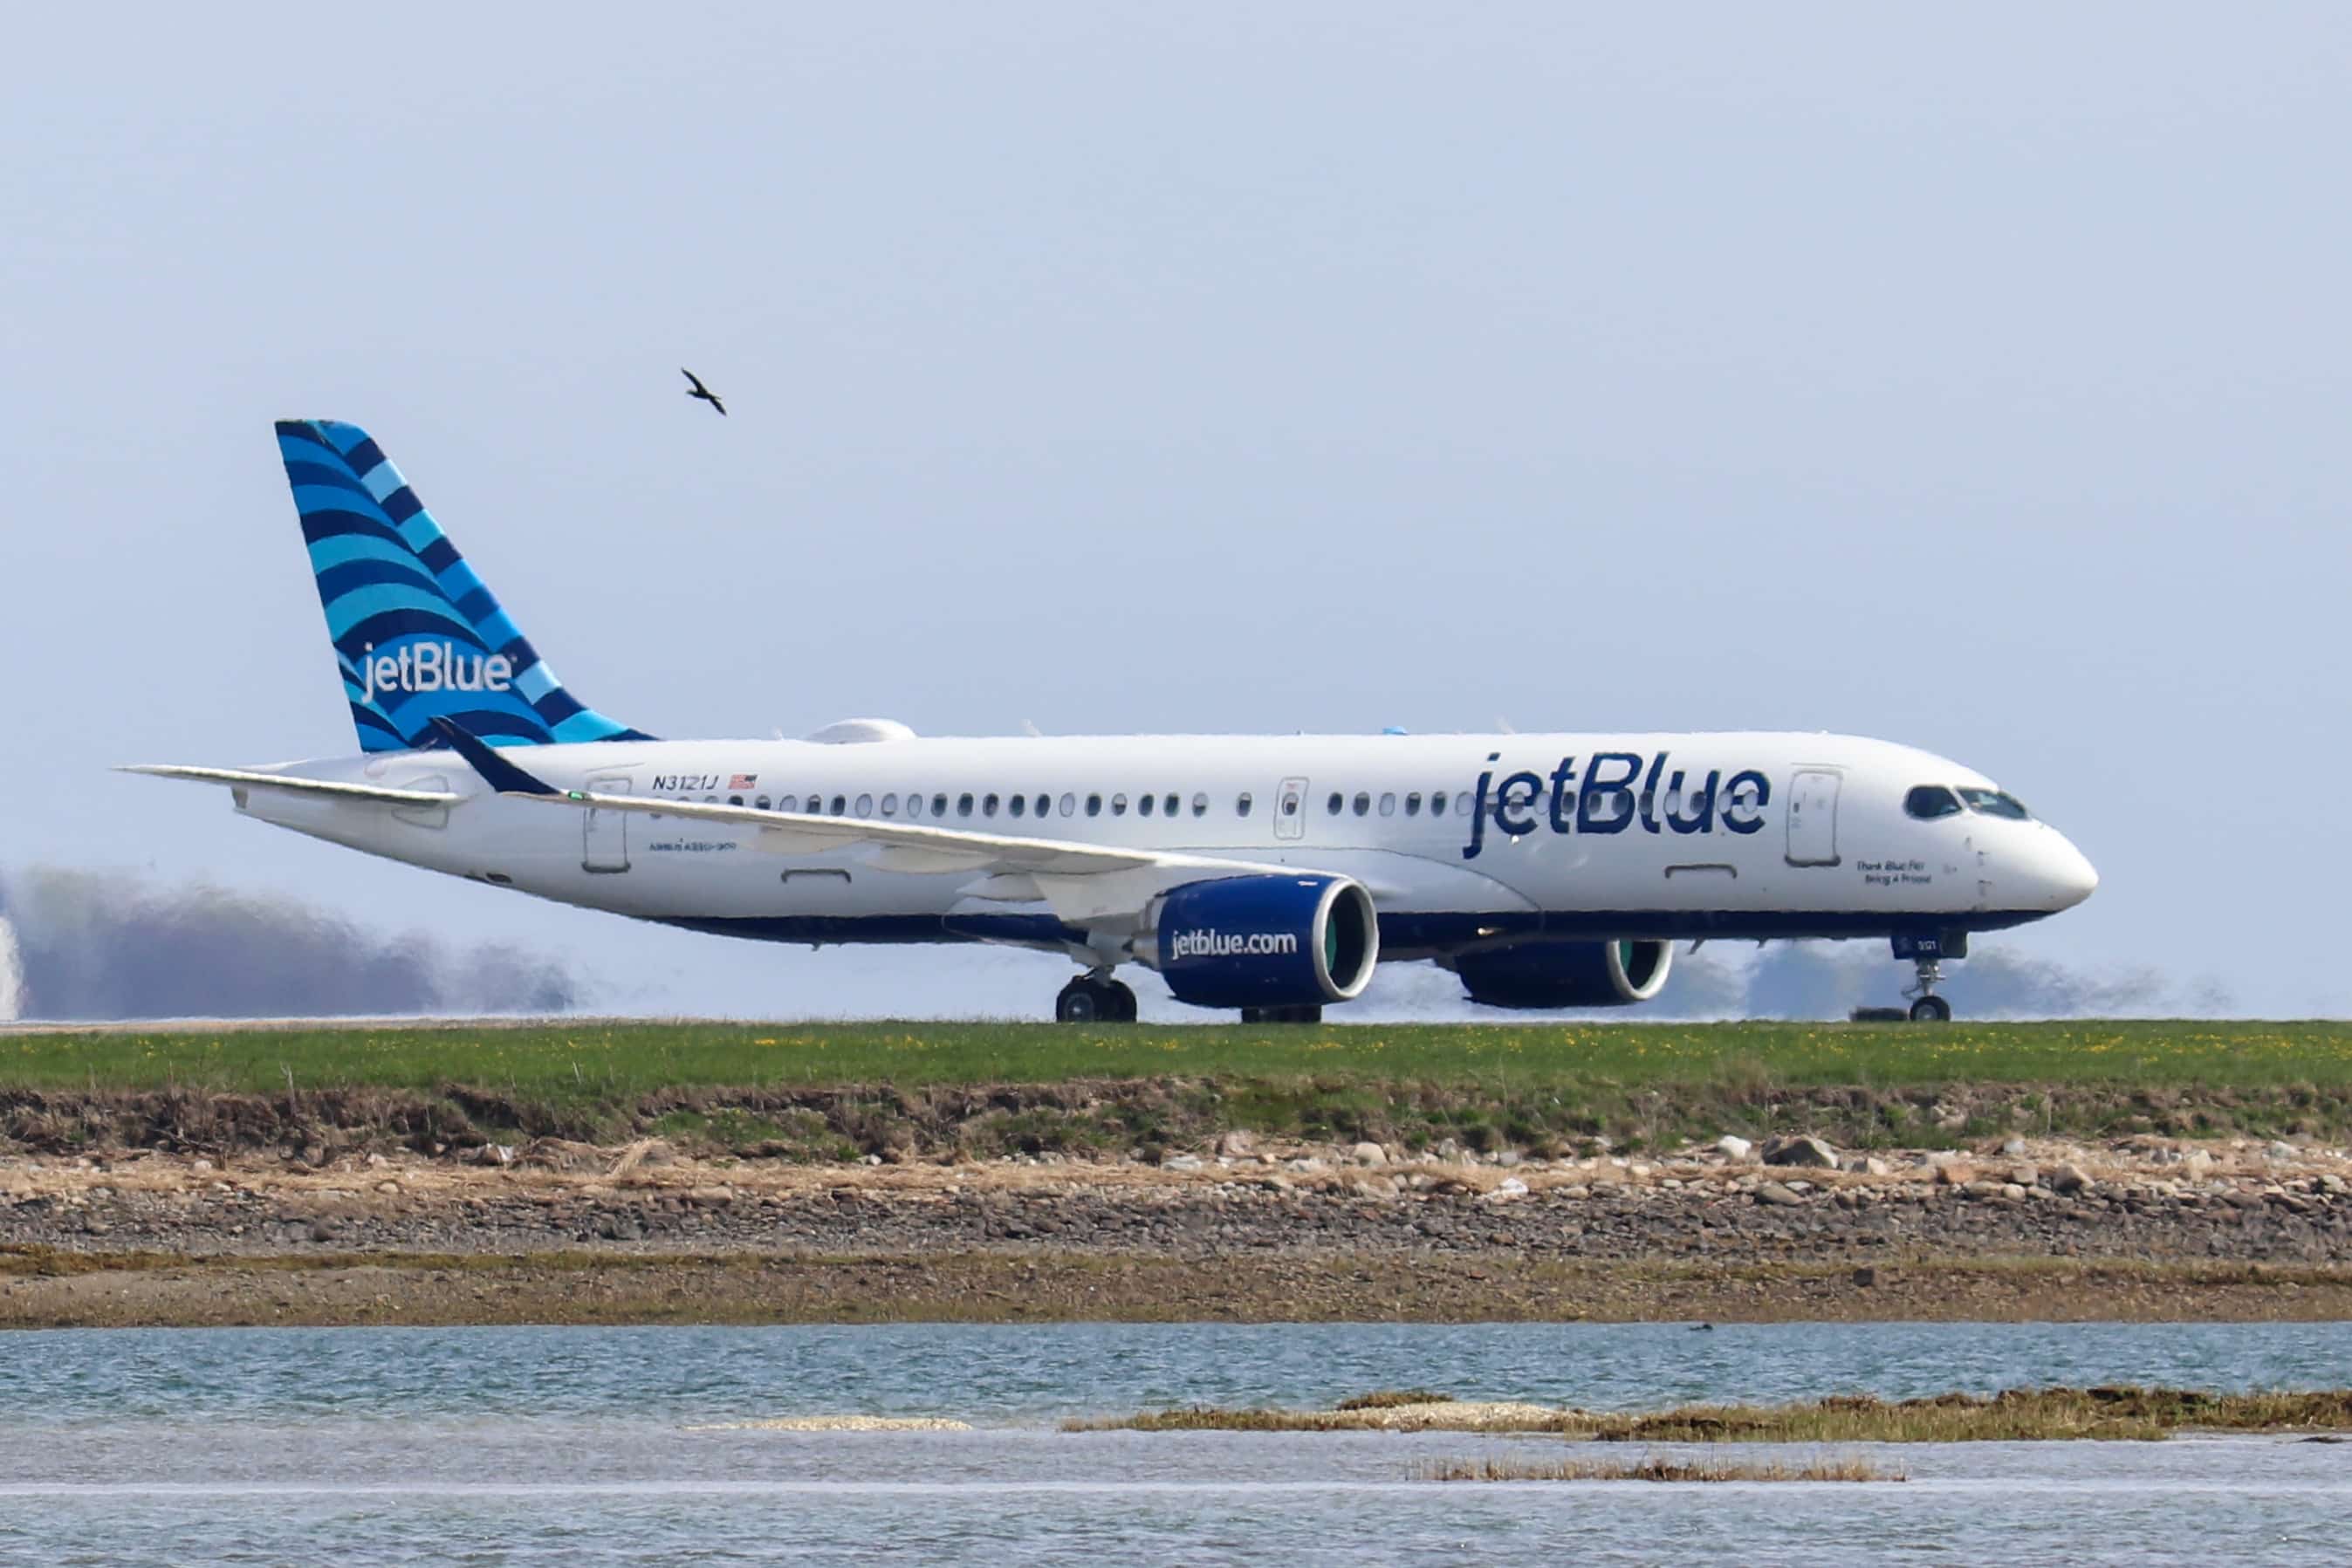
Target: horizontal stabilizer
{"points": [[241, 779]]}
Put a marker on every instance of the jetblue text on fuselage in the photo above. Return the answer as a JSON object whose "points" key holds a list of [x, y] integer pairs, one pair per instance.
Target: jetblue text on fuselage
{"points": [[1620, 791], [433, 667]]}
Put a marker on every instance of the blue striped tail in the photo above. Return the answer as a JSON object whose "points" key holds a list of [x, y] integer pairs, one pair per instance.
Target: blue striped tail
{"points": [[417, 635]]}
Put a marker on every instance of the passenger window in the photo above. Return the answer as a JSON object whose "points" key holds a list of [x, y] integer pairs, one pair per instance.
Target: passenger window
{"points": [[1042, 802], [1412, 803], [987, 806], [865, 805], [788, 803], [1388, 805], [964, 804], [1144, 803], [1119, 805], [938, 805], [761, 803], [1437, 802], [1929, 801], [889, 805], [1332, 805], [1069, 805], [1242, 805], [711, 800], [1363, 803], [1201, 805], [1170, 806], [914, 805], [1094, 805], [734, 799], [1018, 804]]}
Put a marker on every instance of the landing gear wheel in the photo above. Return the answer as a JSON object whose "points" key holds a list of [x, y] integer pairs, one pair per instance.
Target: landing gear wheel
{"points": [[1082, 1001], [1092, 1000], [1281, 1015], [1931, 1009]]}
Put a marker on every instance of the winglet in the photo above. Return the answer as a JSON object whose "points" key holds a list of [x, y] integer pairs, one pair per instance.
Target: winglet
{"points": [[499, 773]]}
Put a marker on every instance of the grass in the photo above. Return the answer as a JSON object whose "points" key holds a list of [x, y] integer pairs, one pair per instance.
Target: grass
{"points": [[1391, 1398], [594, 1062], [2034, 1415], [1655, 1467], [818, 1091]]}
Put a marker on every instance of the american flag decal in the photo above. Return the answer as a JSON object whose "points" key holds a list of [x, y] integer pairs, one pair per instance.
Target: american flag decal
{"points": [[743, 780]]}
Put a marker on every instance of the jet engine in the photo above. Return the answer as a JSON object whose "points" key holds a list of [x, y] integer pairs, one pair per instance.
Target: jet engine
{"points": [[1263, 941], [1565, 974]]}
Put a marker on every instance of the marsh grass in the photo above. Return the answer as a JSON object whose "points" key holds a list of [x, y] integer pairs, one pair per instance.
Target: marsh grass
{"points": [[2036, 1414], [1655, 1467], [1390, 1398]]}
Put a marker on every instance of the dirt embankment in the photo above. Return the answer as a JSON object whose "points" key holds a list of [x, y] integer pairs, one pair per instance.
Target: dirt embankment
{"points": [[561, 1231], [1141, 1118]]}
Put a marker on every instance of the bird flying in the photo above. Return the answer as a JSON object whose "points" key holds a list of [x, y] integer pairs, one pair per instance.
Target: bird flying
{"points": [[698, 390]]}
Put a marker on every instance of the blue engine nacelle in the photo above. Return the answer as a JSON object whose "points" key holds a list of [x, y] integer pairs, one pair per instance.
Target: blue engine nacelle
{"points": [[1565, 974], [1265, 941]]}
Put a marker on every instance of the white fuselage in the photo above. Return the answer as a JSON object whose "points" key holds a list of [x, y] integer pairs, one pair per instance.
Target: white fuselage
{"points": [[1463, 841]]}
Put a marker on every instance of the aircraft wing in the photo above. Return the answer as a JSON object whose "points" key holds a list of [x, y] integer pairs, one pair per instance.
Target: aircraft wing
{"points": [[1087, 884], [1084, 883], [239, 779]]}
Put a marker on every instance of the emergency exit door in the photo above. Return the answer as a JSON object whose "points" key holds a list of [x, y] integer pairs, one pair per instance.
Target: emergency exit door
{"points": [[1290, 810], [1812, 818]]}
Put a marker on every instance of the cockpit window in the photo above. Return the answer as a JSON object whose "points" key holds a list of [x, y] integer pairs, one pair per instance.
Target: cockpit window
{"points": [[1929, 801], [1997, 803]]}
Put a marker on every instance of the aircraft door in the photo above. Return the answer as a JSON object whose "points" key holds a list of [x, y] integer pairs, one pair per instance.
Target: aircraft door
{"points": [[1812, 818], [1290, 810], [605, 845]]}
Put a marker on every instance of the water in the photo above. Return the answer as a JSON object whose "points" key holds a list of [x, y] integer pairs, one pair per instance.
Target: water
{"points": [[497, 1445]]}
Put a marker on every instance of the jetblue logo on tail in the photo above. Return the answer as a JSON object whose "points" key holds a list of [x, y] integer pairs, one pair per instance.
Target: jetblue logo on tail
{"points": [[433, 667]]}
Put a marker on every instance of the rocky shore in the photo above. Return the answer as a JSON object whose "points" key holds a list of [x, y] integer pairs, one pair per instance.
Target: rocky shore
{"points": [[2144, 1227]]}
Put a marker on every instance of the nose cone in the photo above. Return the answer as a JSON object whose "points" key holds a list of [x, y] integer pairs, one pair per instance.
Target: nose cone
{"points": [[2065, 876]]}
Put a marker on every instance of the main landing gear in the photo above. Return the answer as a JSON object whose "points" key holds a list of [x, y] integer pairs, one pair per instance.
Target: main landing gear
{"points": [[1095, 999], [1281, 1015]]}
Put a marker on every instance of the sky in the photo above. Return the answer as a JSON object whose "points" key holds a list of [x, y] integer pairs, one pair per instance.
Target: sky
{"points": [[1974, 379]]}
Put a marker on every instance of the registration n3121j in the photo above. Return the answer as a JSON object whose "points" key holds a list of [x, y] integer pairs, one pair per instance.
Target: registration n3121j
{"points": [[1266, 874]]}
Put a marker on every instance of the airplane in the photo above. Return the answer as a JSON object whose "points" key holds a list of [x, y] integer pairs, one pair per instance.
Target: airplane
{"points": [[1266, 874]]}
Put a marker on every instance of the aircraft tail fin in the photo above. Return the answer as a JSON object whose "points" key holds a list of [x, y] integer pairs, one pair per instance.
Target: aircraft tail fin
{"points": [[417, 635]]}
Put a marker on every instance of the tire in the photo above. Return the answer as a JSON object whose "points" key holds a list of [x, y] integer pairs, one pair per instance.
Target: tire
{"points": [[1120, 1002], [1081, 1002], [1931, 1009]]}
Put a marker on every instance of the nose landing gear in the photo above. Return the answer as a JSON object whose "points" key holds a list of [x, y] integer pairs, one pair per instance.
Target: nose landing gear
{"points": [[1094, 998], [1926, 954], [1927, 1007]]}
